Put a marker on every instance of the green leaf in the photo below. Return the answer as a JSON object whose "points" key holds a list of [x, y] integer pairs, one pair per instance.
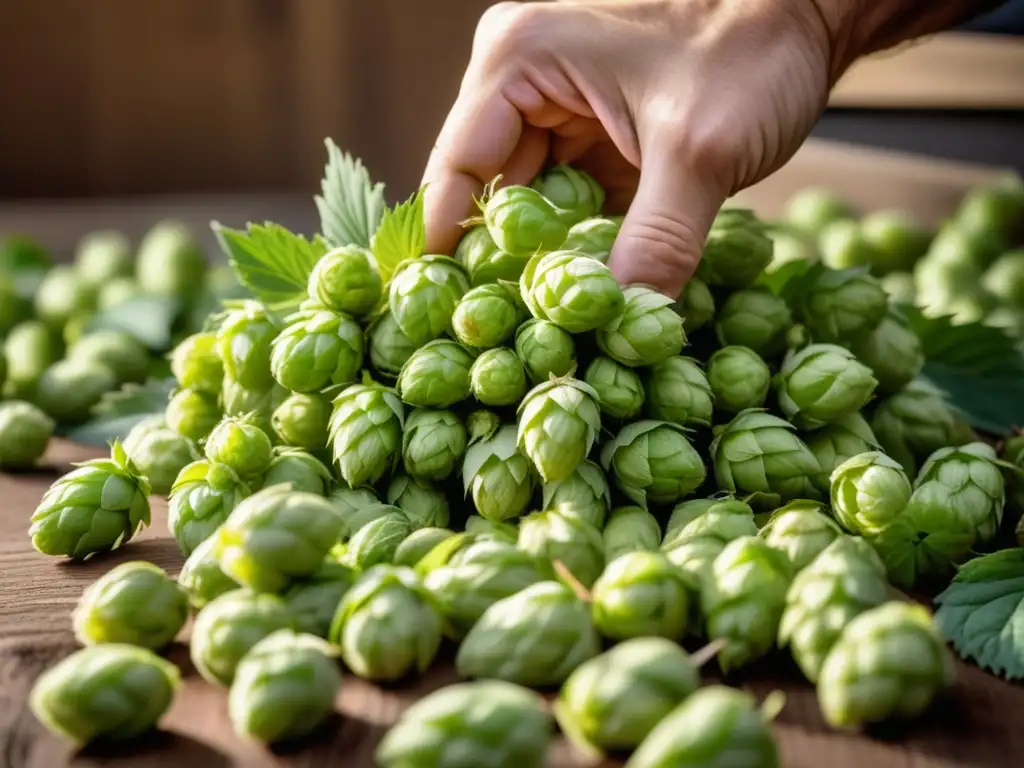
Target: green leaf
{"points": [[120, 410], [351, 205], [981, 612], [786, 275], [400, 236], [270, 261], [20, 253], [150, 319]]}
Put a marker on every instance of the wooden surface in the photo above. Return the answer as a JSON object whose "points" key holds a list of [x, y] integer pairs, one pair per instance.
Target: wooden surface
{"points": [[977, 725]]}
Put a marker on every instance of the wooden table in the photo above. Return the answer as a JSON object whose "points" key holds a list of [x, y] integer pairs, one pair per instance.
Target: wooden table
{"points": [[979, 724]]}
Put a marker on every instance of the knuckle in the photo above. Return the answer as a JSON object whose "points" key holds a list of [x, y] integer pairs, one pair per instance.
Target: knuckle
{"points": [[511, 29]]}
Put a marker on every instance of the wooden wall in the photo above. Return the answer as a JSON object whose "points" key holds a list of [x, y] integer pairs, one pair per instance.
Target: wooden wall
{"points": [[125, 97]]}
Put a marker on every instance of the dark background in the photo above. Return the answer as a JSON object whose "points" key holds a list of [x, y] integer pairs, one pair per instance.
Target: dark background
{"points": [[129, 97]]}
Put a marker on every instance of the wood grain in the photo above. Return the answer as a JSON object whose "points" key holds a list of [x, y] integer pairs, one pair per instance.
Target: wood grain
{"points": [[976, 725]]}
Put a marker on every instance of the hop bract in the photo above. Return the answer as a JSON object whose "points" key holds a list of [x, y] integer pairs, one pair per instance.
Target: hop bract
{"points": [[678, 391], [893, 353], [487, 316], [366, 432], [424, 505], [485, 262], [388, 347], [558, 425], [653, 462], [436, 375], [521, 221], [693, 545], [629, 529], [754, 318], [822, 383], [647, 332], [572, 290], [584, 494], [641, 594], [593, 236], [433, 441], [575, 193], [423, 294], [347, 280], [838, 441], [545, 350], [317, 349], [736, 251]]}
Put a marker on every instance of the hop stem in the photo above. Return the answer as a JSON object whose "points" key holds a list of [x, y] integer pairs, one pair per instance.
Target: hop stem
{"points": [[773, 705], [708, 652], [573, 583]]}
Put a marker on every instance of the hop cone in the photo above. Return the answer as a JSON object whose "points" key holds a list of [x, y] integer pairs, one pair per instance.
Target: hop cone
{"points": [[436, 376], [755, 318], [736, 251], [584, 494], [641, 594], [572, 290], [423, 294], [239, 443], [619, 390], [739, 379], [823, 383], [743, 599], [255, 406], [842, 305], [522, 222], [356, 512], [485, 262], [482, 528], [536, 637], [424, 505], [418, 545], [484, 724], [201, 498], [693, 546], [888, 662], [545, 350], [653, 462], [313, 600], [25, 431], [761, 454], [487, 316], [647, 332], [432, 443], [499, 476], [838, 441], [629, 529], [914, 423], [687, 511], [243, 341], [318, 348], [696, 305], [366, 433], [868, 492], [612, 701], [112, 692], [801, 529], [387, 347], [551, 536], [593, 236], [387, 625], [845, 580], [346, 279], [558, 424], [575, 194], [497, 377], [192, 414], [159, 453], [68, 390], [377, 541], [196, 363], [893, 353], [201, 576], [303, 471], [679, 392], [95, 508]]}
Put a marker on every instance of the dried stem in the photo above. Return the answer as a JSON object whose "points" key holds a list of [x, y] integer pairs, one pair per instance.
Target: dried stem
{"points": [[708, 652], [574, 584]]}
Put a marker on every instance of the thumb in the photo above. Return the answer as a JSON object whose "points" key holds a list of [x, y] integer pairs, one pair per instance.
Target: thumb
{"points": [[662, 236]]}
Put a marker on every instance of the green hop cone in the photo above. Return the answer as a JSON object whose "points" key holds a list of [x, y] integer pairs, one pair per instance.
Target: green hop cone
{"points": [[914, 423], [811, 208], [758, 453], [716, 726], [994, 208], [545, 350], [482, 424], [478, 576], [842, 305], [575, 194], [15, 308], [755, 318], [69, 389], [201, 576], [842, 245], [536, 637], [619, 389], [689, 510], [423, 294], [276, 536], [111, 692], [313, 600], [845, 580], [192, 414], [257, 406], [377, 541], [196, 363], [482, 528], [484, 261], [244, 343], [893, 353], [899, 286], [388, 348], [629, 529], [593, 236], [889, 662], [116, 292], [956, 505], [641, 594], [801, 529], [790, 245], [201, 498], [679, 392], [653, 462], [555, 536], [62, 295], [97, 507], [357, 508], [497, 377], [487, 315], [303, 471], [584, 494], [1004, 279], [134, 602], [868, 491], [433, 441], [228, 627], [119, 351], [366, 432], [647, 332], [387, 625], [301, 421], [501, 478], [346, 279], [284, 687], [169, 261], [318, 348], [522, 222], [103, 255], [29, 349], [694, 545], [838, 441], [558, 424], [696, 305], [25, 431], [822, 383], [424, 505], [241, 445], [418, 545], [572, 290], [613, 701], [897, 240], [736, 251], [739, 379], [437, 375], [743, 597], [481, 724]]}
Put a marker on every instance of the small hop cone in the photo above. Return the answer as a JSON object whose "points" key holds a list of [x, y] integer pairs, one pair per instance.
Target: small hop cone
{"points": [[558, 425]]}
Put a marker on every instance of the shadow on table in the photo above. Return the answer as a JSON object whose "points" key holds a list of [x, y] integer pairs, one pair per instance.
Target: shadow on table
{"points": [[163, 552], [160, 749]]}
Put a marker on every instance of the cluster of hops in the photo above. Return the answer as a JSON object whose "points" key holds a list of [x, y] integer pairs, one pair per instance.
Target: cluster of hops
{"points": [[508, 449], [65, 329]]}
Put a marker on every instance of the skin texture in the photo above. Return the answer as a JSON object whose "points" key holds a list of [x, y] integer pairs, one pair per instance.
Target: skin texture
{"points": [[673, 106]]}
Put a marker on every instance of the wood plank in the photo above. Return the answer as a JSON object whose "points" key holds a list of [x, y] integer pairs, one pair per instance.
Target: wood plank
{"points": [[976, 726]]}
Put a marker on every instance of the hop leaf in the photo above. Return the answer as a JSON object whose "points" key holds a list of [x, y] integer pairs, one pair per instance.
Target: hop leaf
{"points": [[350, 206], [401, 235]]}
